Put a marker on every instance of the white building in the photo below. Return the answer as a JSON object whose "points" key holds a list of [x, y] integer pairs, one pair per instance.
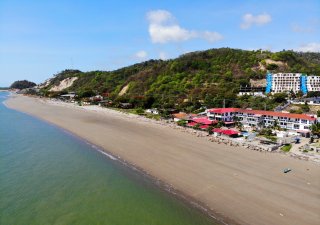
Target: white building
{"points": [[153, 111], [248, 117], [313, 83], [285, 82]]}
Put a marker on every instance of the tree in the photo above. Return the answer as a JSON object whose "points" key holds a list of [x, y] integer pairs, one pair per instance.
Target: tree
{"points": [[209, 129], [276, 125], [22, 84], [260, 124], [292, 94], [272, 66], [311, 94], [220, 124], [299, 94], [86, 94], [305, 107], [237, 122], [182, 123], [315, 128], [279, 97]]}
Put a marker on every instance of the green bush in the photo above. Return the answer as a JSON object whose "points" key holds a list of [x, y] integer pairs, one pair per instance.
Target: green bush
{"points": [[272, 66], [286, 148], [139, 111], [196, 127], [182, 123]]}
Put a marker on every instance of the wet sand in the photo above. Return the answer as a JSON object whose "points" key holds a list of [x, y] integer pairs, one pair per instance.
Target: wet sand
{"points": [[238, 185]]}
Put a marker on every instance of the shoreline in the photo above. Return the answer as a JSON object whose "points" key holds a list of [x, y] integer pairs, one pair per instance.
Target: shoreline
{"points": [[169, 189], [173, 189], [199, 133], [162, 185]]}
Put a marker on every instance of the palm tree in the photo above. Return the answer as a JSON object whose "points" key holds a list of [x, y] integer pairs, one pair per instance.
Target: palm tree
{"points": [[276, 125], [237, 122], [260, 125], [315, 128]]}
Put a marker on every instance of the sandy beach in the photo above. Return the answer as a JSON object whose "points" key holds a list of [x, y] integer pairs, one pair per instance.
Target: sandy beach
{"points": [[238, 185]]}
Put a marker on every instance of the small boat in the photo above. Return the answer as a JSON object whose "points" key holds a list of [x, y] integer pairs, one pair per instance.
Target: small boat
{"points": [[286, 170]]}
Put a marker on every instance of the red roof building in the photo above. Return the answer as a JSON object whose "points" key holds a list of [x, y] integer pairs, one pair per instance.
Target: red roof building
{"points": [[203, 120], [250, 117]]}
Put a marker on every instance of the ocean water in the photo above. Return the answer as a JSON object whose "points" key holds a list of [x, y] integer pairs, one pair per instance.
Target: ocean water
{"points": [[48, 176]]}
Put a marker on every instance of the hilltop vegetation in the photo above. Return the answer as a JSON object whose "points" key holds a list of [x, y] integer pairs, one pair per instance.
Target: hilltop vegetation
{"points": [[22, 84], [191, 80]]}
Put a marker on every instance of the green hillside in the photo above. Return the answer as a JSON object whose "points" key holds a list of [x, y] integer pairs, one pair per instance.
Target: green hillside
{"points": [[22, 84], [204, 77]]}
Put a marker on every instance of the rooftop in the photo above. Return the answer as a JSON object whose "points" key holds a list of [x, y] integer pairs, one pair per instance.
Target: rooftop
{"points": [[263, 112]]}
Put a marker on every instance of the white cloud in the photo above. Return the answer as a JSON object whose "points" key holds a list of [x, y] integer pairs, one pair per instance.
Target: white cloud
{"points": [[141, 55], [248, 20], [211, 36], [299, 29], [159, 16], [163, 28], [163, 55], [310, 47]]}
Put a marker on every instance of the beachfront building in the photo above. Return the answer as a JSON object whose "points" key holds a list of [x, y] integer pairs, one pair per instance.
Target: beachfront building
{"points": [[253, 91], [313, 83], [286, 82], [259, 118], [309, 101]]}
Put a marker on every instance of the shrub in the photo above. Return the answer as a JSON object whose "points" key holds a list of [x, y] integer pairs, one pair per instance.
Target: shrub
{"points": [[272, 66], [286, 148], [182, 123], [139, 111], [196, 127]]}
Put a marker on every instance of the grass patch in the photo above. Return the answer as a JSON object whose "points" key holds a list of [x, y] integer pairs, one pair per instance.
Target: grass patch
{"points": [[153, 116], [272, 138], [286, 148]]}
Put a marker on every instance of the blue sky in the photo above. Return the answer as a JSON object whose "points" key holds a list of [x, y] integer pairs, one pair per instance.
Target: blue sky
{"points": [[40, 38]]}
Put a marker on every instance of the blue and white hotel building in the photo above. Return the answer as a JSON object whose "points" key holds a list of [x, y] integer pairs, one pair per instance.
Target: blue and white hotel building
{"points": [[285, 82]]}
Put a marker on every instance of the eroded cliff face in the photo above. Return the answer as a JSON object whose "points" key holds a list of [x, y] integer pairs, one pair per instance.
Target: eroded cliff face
{"points": [[64, 84]]}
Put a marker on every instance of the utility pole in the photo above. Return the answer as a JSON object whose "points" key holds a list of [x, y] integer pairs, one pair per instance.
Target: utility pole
{"points": [[224, 103], [265, 106]]}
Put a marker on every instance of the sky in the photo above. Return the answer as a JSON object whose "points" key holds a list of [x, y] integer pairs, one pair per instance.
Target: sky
{"points": [[41, 38]]}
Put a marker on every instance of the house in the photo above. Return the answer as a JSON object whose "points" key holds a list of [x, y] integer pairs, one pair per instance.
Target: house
{"points": [[96, 98], [258, 118], [125, 105], [68, 97], [182, 116], [309, 101], [253, 91], [105, 103], [203, 122], [153, 111], [226, 132]]}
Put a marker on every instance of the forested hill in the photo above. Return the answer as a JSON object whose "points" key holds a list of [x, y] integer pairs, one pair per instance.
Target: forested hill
{"points": [[198, 76], [22, 84]]}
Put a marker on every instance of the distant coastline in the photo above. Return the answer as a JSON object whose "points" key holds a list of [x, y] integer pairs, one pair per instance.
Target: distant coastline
{"points": [[218, 177]]}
